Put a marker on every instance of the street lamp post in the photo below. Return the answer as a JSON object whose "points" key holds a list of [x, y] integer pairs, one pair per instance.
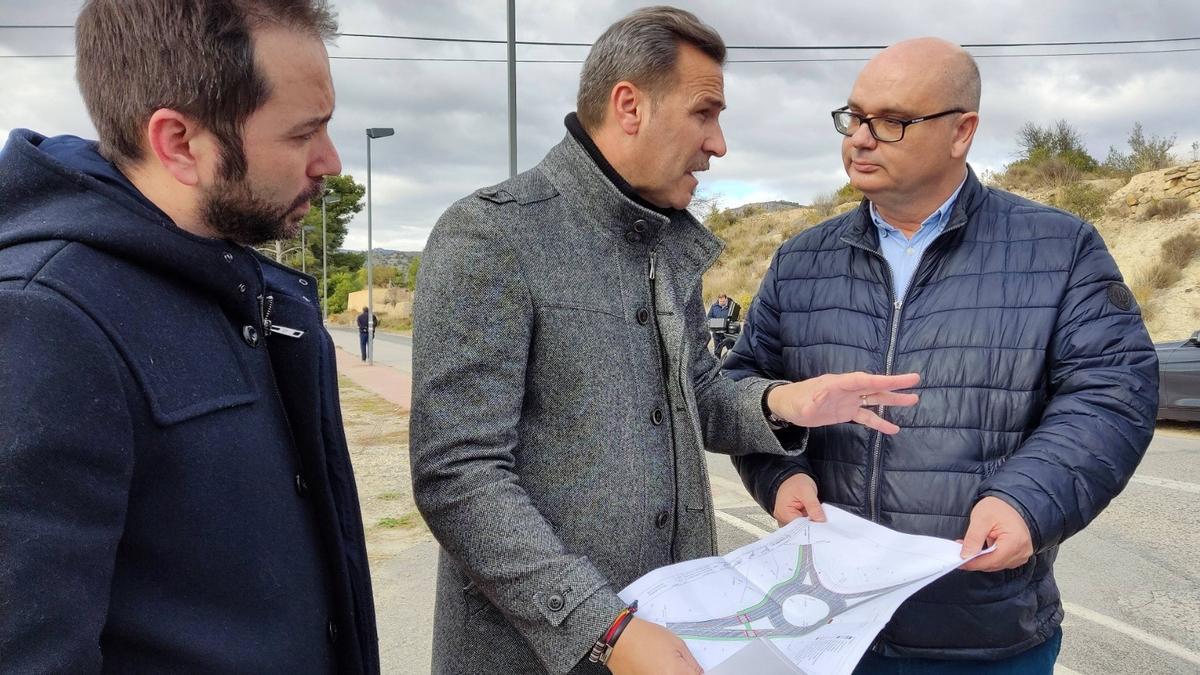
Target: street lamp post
{"points": [[329, 198], [374, 132]]}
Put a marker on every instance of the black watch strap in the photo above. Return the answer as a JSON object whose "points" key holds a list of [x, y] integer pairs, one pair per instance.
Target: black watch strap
{"points": [[774, 421]]}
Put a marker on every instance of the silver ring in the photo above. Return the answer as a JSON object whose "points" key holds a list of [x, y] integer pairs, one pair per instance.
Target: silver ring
{"points": [[863, 398]]}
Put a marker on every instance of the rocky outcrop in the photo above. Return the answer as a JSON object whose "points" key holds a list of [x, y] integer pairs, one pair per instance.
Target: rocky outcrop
{"points": [[1145, 189]]}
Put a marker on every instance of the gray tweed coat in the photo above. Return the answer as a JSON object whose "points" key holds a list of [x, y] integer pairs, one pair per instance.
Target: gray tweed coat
{"points": [[562, 400]]}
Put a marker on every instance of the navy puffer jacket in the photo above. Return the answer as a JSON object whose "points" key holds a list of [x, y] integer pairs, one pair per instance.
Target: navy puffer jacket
{"points": [[1039, 386]]}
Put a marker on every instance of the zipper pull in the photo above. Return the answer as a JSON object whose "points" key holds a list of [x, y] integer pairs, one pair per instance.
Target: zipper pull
{"points": [[284, 330], [653, 261], [899, 305]]}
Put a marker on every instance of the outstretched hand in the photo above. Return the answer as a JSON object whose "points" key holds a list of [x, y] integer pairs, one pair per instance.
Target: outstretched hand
{"points": [[845, 397]]}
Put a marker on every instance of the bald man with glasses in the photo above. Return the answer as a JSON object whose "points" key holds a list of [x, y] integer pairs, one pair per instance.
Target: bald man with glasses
{"points": [[1039, 381]]}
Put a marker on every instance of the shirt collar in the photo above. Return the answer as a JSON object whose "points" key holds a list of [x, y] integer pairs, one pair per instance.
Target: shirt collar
{"points": [[935, 222]]}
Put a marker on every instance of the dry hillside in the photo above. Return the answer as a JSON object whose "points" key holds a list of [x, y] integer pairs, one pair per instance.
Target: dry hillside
{"points": [[1135, 220]]}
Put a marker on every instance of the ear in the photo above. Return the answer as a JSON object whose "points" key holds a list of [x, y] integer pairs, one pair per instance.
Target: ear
{"points": [[625, 103], [964, 133], [179, 145]]}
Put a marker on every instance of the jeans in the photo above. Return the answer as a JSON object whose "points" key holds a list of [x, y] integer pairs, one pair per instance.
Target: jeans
{"points": [[363, 338], [1037, 660]]}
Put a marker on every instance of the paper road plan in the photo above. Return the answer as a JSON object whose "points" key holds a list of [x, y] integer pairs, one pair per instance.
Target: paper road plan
{"points": [[808, 598]]}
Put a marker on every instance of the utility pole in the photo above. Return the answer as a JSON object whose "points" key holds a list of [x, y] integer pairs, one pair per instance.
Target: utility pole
{"points": [[512, 88]]}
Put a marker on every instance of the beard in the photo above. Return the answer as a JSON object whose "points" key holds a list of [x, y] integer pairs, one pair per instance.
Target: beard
{"points": [[233, 210]]}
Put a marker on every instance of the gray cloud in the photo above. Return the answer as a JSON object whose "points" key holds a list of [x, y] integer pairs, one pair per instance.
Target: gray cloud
{"points": [[451, 131]]}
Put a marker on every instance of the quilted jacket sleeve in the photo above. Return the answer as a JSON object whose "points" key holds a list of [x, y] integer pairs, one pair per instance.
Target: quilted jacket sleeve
{"points": [[759, 353], [1103, 394]]}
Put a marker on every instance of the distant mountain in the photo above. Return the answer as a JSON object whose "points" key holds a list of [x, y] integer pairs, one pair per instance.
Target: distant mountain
{"points": [[400, 259], [761, 207]]}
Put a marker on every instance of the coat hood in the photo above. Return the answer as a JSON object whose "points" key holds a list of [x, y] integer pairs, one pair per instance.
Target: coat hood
{"points": [[70, 193]]}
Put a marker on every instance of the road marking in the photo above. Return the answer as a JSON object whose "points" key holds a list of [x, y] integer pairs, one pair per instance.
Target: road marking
{"points": [[732, 486], [1142, 636], [1063, 670], [1074, 610], [743, 525], [1166, 483]]}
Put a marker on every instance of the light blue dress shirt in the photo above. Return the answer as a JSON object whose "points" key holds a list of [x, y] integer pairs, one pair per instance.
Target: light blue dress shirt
{"points": [[902, 253]]}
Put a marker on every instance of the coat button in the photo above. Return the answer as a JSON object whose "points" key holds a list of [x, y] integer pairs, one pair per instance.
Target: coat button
{"points": [[333, 631], [228, 257], [555, 603], [643, 316], [656, 417], [639, 226], [241, 288], [250, 335], [304, 282], [660, 521], [633, 237], [301, 485]]}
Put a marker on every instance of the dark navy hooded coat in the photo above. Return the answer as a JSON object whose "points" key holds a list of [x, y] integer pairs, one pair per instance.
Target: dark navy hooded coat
{"points": [[175, 488], [1039, 386]]}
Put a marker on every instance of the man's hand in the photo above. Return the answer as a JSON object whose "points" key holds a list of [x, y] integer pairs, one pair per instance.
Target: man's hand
{"points": [[797, 496], [647, 648], [847, 397], [993, 521]]}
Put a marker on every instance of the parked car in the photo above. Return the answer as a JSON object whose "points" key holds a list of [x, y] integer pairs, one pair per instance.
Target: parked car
{"points": [[1179, 379]]}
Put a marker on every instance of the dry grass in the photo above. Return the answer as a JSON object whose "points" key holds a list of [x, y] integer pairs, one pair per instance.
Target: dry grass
{"points": [[1166, 208], [750, 244], [1117, 211], [1160, 275], [1180, 250], [412, 519], [1146, 283]]}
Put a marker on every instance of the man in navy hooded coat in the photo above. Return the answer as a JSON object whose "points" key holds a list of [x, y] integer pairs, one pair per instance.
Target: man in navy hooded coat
{"points": [[176, 493]]}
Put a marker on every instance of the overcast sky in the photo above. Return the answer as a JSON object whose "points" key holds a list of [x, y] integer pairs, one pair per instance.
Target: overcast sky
{"points": [[450, 118]]}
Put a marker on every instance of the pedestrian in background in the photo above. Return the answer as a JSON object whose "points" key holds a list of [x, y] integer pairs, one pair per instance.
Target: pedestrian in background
{"points": [[367, 323]]}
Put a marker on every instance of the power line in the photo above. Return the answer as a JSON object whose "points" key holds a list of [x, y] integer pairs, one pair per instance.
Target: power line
{"points": [[541, 43], [427, 59], [983, 56], [816, 60], [1088, 43]]}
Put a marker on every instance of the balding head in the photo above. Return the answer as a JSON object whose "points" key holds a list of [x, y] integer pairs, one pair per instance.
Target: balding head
{"points": [[938, 69], [928, 91]]}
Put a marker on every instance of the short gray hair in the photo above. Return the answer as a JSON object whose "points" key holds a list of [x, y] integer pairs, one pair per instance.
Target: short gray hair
{"points": [[964, 82], [641, 48]]}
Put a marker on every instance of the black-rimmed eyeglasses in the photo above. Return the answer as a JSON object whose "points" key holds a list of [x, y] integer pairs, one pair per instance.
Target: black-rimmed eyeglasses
{"points": [[884, 129]]}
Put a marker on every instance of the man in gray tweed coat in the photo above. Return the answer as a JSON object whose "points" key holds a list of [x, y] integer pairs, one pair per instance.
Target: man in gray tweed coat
{"points": [[563, 393]]}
